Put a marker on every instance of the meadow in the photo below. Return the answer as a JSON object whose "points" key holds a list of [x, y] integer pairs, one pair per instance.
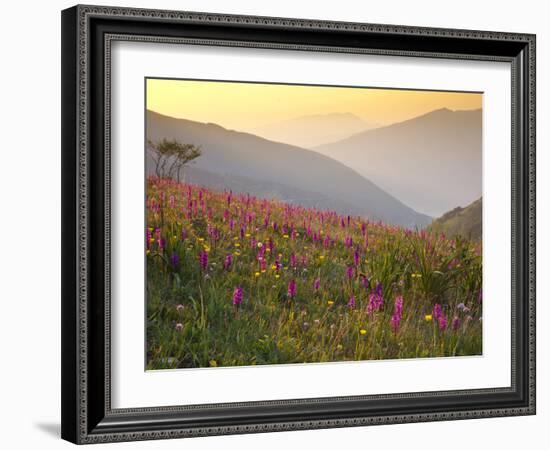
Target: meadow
{"points": [[235, 280]]}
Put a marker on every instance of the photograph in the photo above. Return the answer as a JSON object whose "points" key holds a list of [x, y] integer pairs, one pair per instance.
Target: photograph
{"points": [[293, 223]]}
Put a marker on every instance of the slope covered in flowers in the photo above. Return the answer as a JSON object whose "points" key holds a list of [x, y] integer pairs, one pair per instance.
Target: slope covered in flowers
{"points": [[237, 280]]}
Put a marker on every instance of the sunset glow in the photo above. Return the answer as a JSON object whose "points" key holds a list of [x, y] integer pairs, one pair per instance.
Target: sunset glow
{"points": [[244, 106]]}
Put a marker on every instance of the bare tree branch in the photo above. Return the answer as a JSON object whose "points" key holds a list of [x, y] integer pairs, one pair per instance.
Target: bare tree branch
{"points": [[171, 156]]}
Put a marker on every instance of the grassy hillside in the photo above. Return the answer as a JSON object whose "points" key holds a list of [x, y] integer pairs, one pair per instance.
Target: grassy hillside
{"points": [[466, 222], [238, 280]]}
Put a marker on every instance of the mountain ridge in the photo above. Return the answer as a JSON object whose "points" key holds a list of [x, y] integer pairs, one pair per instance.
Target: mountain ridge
{"points": [[431, 162], [311, 130]]}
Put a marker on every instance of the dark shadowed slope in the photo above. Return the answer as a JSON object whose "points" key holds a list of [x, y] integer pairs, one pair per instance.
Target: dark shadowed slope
{"points": [[233, 154], [432, 163], [313, 130], [466, 221]]}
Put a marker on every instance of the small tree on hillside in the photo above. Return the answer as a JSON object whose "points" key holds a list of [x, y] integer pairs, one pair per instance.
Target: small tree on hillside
{"points": [[171, 156]]}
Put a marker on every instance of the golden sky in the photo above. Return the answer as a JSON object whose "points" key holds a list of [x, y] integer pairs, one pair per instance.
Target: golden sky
{"points": [[244, 106]]}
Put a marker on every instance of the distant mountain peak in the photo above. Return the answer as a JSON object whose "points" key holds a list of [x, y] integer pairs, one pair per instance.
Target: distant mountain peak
{"points": [[311, 130]]}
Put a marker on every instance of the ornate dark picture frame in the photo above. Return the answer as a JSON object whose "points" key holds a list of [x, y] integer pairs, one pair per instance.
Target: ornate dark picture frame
{"points": [[87, 34]]}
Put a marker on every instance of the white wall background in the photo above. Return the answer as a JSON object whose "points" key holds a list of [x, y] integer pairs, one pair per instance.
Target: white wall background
{"points": [[30, 223]]}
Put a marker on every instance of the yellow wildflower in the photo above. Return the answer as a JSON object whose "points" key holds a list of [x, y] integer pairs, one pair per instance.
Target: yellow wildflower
{"points": [[428, 317], [330, 302], [322, 257], [257, 274], [362, 331], [201, 239], [237, 244], [285, 236], [277, 276], [247, 234]]}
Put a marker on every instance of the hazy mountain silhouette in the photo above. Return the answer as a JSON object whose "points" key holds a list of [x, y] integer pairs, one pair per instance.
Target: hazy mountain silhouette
{"points": [[432, 163], [466, 221], [313, 130], [289, 173]]}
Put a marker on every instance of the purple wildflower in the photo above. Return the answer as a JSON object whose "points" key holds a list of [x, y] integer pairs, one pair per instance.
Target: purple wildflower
{"points": [[351, 302], [148, 237], [349, 272], [237, 296], [162, 243], [398, 306], [455, 324], [356, 257], [437, 312], [376, 300], [203, 260], [291, 289], [395, 320], [174, 260], [228, 261], [442, 322], [293, 260], [316, 284], [364, 280]]}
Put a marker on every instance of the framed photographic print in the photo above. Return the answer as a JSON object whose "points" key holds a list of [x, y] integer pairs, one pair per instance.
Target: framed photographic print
{"points": [[281, 224]]}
